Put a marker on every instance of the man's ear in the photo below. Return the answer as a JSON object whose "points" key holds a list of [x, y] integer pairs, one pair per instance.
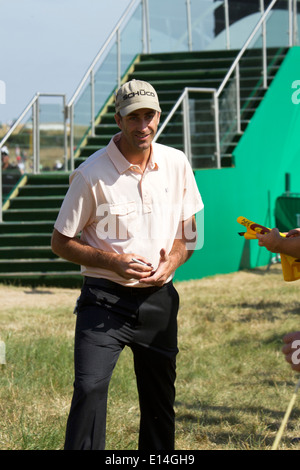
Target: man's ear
{"points": [[118, 120]]}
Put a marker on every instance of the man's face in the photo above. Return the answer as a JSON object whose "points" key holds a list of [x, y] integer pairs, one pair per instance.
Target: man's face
{"points": [[5, 158], [139, 128]]}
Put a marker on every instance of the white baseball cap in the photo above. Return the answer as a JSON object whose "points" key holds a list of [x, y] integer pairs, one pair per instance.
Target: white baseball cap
{"points": [[136, 94], [4, 150]]}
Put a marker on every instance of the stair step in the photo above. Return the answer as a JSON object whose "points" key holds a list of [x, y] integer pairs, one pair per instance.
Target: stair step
{"points": [[20, 215], [32, 226], [199, 74], [35, 202], [26, 252], [38, 190], [213, 54], [34, 264], [24, 274], [25, 239]]}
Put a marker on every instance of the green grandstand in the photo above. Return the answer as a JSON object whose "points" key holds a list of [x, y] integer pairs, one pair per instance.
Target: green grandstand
{"points": [[239, 133]]}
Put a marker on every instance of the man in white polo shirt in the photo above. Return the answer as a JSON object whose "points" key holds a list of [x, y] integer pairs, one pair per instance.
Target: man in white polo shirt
{"points": [[134, 203]]}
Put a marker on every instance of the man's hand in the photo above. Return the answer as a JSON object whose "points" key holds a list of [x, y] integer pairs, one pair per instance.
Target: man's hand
{"points": [[295, 232], [76, 251], [274, 242], [164, 270], [126, 266], [271, 240], [179, 254]]}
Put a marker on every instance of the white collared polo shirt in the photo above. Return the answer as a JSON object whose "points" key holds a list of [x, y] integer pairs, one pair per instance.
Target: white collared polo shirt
{"points": [[118, 208]]}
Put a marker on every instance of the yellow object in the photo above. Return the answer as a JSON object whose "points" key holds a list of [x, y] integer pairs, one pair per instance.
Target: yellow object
{"points": [[290, 266]]}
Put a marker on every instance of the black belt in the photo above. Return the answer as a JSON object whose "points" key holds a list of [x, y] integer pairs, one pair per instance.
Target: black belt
{"points": [[107, 284]]}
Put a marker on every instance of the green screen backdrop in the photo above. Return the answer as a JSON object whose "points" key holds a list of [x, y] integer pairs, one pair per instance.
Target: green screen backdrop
{"points": [[269, 148]]}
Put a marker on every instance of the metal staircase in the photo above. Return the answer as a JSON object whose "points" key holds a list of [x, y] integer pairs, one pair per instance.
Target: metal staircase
{"points": [[25, 234], [169, 74], [31, 210]]}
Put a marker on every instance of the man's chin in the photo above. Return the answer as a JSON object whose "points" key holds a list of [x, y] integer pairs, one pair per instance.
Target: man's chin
{"points": [[144, 145]]}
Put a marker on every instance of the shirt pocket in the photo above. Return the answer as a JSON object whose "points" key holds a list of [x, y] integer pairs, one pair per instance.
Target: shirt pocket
{"points": [[123, 217]]}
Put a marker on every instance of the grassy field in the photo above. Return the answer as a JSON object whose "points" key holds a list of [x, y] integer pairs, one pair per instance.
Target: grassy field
{"points": [[233, 384]]}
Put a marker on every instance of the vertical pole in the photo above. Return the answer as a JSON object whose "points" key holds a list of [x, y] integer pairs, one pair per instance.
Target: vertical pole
{"points": [[71, 110], [238, 98], [118, 58], [291, 36], [65, 133], [1, 197], [147, 25], [189, 24], [144, 23], [92, 81], [186, 127], [33, 131], [287, 183], [217, 129], [37, 130], [295, 23], [226, 14], [264, 46]]}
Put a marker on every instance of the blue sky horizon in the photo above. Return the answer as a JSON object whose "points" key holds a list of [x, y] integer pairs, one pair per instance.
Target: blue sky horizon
{"points": [[47, 46]]}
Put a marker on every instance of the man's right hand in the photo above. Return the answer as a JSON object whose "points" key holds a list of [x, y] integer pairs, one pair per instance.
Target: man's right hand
{"points": [[76, 251], [126, 267]]}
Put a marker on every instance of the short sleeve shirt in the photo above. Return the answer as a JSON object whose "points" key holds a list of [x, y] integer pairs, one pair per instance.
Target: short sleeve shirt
{"points": [[116, 207]]}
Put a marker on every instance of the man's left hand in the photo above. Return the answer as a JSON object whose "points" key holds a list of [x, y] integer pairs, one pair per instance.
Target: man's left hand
{"points": [[160, 276]]}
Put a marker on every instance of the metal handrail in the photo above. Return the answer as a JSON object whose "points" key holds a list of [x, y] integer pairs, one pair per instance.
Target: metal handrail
{"points": [[34, 106], [245, 46], [69, 107], [183, 99], [17, 122], [177, 104], [23, 114], [5, 138], [99, 54], [235, 67], [90, 74]]}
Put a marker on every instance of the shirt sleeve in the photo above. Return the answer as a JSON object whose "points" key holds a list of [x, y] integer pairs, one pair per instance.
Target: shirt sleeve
{"points": [[192, 200], [77, 208]]}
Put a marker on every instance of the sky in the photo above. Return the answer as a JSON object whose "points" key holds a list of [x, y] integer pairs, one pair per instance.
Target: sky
{"points": [[47, 46]]}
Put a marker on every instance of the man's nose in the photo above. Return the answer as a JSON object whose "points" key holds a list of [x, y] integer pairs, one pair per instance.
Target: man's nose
{"points": [[143, 124]]}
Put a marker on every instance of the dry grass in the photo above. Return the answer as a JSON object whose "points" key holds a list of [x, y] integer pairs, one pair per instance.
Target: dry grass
{"points": [[233, 385]]}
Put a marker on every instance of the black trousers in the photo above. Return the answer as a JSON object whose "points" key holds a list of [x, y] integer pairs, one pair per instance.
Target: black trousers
{"points": [[110, 317]]}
